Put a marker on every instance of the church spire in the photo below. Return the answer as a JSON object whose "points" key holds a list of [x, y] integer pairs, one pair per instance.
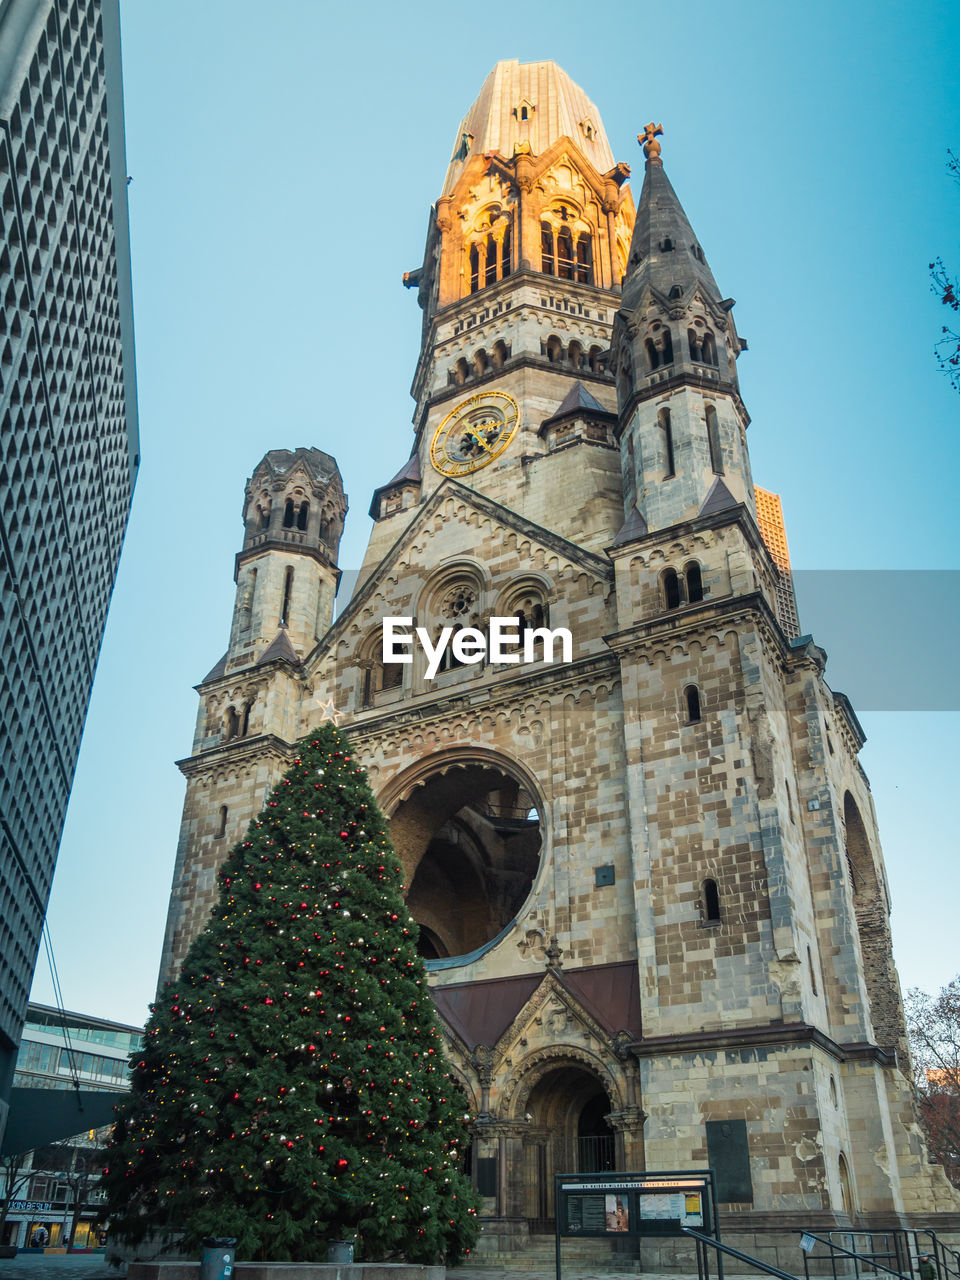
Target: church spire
{"points": [[665, 254], [675, 349]]}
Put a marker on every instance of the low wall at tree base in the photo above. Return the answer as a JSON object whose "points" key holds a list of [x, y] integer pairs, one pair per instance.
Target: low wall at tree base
{"points": [[290, 1271]]}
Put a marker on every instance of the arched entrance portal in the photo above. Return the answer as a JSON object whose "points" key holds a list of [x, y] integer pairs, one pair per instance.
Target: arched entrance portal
{"points": [[567, 1110], [469, 840]]}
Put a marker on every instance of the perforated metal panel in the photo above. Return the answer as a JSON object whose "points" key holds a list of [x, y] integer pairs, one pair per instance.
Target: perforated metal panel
{"points": [[67, 433]]}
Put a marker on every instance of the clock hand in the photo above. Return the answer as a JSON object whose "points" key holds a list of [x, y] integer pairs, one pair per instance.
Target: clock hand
{"points": [[478, 439]]}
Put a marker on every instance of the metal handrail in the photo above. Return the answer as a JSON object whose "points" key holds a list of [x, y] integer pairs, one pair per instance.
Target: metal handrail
{"points": [[851, 1253], [735, 1253], [905, 1247]]}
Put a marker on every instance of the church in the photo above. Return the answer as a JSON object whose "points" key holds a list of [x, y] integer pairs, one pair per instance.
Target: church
{"points": [[645, 869]]}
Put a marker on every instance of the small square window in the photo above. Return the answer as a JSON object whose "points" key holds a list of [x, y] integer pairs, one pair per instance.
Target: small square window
{"points": [[604, 875]]}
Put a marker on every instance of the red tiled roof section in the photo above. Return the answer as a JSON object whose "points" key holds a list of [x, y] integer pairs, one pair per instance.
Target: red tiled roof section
{"points": [[480, 1012], [611, 992]]}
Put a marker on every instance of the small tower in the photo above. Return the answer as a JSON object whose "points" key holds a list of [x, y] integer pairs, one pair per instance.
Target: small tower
{"points": [[286, 574], [250, 703], [675, 347]]}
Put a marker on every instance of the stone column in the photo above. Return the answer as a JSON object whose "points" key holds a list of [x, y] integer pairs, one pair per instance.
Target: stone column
{"points": [[627, 1125]]}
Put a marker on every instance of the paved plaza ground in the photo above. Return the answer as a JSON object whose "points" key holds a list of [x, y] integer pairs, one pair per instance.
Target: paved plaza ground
{"points": [[93, 1266]]}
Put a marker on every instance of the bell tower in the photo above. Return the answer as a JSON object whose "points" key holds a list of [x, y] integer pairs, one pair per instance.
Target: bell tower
{"points": [[251, 701], [526, 248], [286, 573]]}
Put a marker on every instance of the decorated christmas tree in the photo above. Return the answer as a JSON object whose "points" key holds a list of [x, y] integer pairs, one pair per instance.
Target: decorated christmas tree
{"points": [[293, 1089]]}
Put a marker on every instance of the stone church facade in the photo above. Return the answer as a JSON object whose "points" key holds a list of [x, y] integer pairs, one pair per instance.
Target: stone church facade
{"points": [[648, 879]]}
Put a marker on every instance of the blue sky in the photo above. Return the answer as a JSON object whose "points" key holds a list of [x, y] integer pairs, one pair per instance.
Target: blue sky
{"points": [[284, 159]]}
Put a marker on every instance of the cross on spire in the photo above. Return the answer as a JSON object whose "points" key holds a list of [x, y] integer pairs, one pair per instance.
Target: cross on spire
{"points": [[648, 140]]}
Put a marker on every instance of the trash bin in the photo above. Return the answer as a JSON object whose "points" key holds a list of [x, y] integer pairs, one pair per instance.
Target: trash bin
{"points": [[339, 1252], [217, 1260]]}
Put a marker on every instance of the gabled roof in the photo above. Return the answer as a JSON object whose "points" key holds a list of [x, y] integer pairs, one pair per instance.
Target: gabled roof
{"points": [[480, 1012], [485, 506], [280, 647]]}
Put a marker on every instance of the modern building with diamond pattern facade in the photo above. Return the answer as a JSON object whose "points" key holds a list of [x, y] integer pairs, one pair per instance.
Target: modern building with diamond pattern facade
{"points": [[69, 446]]}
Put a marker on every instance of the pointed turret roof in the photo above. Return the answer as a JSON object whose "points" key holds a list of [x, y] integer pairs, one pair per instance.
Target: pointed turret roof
{"points": [[718, 499], [280, 647], [218, 670], [633, 527], [532, 103], [409, 473], [661, 222], [578, 400], [578, 397]]}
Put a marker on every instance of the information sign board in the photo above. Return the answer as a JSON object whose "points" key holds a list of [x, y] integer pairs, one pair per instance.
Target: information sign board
{"points": [[634, 1205]]}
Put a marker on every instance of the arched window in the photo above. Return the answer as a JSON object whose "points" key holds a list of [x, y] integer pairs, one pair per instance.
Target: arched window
{"points": [[846, 1192], [287, 593], [480, 362], [501, 354], [594, 359], [231, 724], [703, 346], [546, 248], [461, 372], [584, 259], [670, 584], [221, 823], [659, 347], [666, 245], [302, 515], [474, 268], [694, 579], [505, 249], [531, 613], [691, 695], [391, 675], [575, 354], [449, 659], [663, 418], [490, 255], [565, 259], [245, 722], [554, 349], [713, 440], [288, 514], [264, 509], [710, 902]]}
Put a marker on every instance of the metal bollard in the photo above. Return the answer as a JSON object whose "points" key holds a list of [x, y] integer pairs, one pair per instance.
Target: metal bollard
{"points": [[217, 1260]]}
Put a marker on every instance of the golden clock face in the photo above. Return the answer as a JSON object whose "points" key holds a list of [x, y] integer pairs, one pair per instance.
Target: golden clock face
{"points": [[474, 433]]}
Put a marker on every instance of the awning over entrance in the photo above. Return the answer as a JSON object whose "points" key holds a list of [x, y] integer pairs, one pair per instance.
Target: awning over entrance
{"points": [[39, 1116]]}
